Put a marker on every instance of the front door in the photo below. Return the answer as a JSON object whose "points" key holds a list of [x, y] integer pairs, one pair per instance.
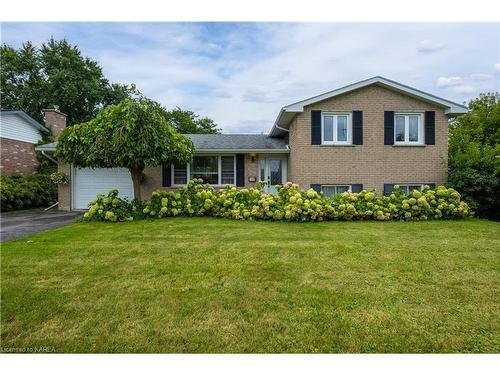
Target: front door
{"points": [[272, 171]]}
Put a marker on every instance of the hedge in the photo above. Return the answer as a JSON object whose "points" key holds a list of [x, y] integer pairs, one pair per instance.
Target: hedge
{"points": [[19, 192], [290, 204]]}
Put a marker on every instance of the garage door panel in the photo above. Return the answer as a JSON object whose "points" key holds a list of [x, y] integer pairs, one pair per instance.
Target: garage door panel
{"points": [[89, 182]]}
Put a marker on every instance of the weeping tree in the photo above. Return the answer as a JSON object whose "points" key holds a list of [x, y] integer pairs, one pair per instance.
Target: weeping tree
{"points": [[132, 134]]}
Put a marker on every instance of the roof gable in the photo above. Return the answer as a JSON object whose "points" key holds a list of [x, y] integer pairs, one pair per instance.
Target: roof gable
{"points": [[288, 112]]}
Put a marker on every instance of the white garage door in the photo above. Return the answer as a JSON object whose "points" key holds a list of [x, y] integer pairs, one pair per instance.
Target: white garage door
{"points": [[88, 182]]}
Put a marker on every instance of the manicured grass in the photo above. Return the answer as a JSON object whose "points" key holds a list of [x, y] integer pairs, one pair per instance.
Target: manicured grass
{"points": [[215, 285]]}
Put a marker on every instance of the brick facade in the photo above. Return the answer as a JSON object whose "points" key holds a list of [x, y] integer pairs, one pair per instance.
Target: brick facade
{"points": [[153, 177], [373, 163], [17, 156]]}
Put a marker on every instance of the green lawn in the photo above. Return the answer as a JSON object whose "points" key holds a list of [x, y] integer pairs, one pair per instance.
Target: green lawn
{"points": [[215, 285]]}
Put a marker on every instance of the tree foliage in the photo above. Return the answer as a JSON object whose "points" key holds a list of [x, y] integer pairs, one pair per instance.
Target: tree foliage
{"points": [[56, 73], [187, 122], [473, 155], [133, 134]]}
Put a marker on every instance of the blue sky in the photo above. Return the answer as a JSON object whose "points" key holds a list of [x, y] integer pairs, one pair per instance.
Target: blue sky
{"points": [[241, 74]]}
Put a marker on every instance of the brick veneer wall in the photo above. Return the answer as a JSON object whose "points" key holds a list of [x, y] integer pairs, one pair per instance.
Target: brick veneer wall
{"points": [[64, 191], [251, 170], [153, 177], [373, 163], [17, 156]]}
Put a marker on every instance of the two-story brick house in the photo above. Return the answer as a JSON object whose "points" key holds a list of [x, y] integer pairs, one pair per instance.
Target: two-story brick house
{"points": [[368, 135]]}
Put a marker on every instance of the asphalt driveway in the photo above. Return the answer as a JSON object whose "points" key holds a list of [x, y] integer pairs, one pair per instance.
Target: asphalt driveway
{"points": [[24, 223]]}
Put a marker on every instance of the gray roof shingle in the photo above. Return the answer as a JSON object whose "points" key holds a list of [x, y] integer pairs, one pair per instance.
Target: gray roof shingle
{"points": [[223, 142], [236, 142]]}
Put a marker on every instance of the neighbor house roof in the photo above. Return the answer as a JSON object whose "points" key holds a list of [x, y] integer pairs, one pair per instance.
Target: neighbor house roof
{"points": [[288, 112], [223, 143], [30, 120]]}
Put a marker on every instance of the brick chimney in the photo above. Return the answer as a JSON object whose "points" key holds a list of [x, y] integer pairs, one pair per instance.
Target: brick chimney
{"points": [[55, 120]]}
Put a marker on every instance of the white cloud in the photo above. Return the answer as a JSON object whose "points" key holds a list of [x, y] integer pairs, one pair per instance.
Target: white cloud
{"points": [[497, 66], [448, 81], [429, 46]]}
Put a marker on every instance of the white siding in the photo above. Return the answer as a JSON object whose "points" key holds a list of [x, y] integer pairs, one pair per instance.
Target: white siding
{"points": [[15, 127], [87, 183]]}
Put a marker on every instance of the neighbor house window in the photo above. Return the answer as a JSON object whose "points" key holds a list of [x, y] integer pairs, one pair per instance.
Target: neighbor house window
{"points": [[213, 170], [408, 128], [333, 190], [336, 128], [409, 188]]}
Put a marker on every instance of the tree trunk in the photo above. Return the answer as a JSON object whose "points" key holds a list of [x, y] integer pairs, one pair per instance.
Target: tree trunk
{"points": [[136, 180]]}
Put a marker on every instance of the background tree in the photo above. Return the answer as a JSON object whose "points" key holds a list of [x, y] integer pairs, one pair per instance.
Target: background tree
{"points": [[34, 78], [133, 134], [187, 122], [474, 155]]}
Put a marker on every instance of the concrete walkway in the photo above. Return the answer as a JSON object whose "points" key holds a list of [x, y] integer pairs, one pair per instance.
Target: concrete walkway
{"points": [[19, 224]]}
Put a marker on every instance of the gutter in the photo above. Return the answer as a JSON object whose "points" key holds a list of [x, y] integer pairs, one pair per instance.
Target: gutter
{"points": [[276, 126], [264, 151]]}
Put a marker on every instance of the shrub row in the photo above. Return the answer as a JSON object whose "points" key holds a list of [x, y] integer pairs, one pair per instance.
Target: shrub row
{"points": [[18, 192], [290, 204]]}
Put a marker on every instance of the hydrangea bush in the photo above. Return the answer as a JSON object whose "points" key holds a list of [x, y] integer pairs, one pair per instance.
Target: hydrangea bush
{"points": [[290, 204], [59, 178], [110, 208]]}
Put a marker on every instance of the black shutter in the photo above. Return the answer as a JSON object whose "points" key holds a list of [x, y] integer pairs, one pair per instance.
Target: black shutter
{"points": [[388, 127], [388, 189], [240, 170], [357, 127], [356, 188], [315, 127], [166, 175], [316, 187], [430, 127]]}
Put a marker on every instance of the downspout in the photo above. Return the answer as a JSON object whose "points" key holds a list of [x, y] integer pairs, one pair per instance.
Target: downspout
{"points": [[280, 128], [277, 121], [49, 157]]}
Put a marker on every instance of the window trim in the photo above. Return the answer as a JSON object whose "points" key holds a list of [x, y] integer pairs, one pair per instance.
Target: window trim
{"points": [[335, 116], [219, 168], [408, 185], [421, 128], [349, 188]]}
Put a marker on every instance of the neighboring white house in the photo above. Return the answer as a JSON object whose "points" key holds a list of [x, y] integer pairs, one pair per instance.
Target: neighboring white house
{"points": [[18, 134]]}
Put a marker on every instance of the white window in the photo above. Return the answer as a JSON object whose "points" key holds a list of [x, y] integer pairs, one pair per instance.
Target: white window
{"points": [[409, 188], [336, 128], [212, 169], [408, 128], [333, 190]]}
